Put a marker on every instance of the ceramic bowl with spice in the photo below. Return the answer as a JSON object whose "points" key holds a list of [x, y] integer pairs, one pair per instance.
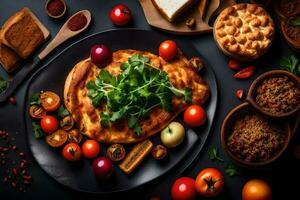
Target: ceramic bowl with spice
{"points": [[56, 8], [290, 29], [252, 139], [285, 9], [275, 93]]}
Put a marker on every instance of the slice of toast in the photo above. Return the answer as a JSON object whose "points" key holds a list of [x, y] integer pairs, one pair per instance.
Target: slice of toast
{"points": [[23, 32], [8, 58], [171, 9]]}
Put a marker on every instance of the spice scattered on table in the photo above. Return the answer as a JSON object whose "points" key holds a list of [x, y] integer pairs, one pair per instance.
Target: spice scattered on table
{"points": [[278, 95], [77, 22], [15, 170], [55, 8]]}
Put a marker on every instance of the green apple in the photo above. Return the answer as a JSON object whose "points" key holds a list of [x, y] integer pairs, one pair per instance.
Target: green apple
{"points": [[172, 135]]}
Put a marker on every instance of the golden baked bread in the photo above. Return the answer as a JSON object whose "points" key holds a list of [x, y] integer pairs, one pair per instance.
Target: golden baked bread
{"points": [[8, 58], [87, 116], [244, 31], [23, 33]]}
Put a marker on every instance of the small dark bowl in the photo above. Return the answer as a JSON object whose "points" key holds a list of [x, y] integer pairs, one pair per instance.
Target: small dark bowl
{"points": [[226, 131], [56, 16], [294, 44], [274, 73]]}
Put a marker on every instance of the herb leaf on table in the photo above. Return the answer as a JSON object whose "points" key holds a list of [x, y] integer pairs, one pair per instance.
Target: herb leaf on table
{"points": [[291, 64], [132, 94], [3, 84], [231, 170], [213, 154]]}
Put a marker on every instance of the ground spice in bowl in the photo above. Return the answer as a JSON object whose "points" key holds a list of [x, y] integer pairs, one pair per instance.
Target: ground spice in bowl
{"points": [[255, 138], [77, 22], [55, 8], [277, 95]]}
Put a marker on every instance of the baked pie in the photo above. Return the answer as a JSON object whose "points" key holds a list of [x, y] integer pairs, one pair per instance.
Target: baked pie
{"points": [[244, 31]]}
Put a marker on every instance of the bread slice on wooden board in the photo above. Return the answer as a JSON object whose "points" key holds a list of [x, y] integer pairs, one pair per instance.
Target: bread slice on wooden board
{"points": [[8, 58], [23, 32], [171, 9]]}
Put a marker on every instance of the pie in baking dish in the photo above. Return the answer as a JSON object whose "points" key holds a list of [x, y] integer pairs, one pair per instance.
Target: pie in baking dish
{"points": [[88, 117], [244, 31]]}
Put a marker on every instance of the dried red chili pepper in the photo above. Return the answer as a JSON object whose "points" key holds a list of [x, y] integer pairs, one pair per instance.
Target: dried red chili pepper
{"points": [[233, 64], [245, 73], [239, 94]]}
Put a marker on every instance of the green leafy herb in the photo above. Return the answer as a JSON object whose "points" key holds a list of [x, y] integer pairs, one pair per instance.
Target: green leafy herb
{"points": [[295, 22], [291, 64], [231, 170], [38, 133], [213, 154], [35, 99], [132, 94], [3, 84], [62, 112]]}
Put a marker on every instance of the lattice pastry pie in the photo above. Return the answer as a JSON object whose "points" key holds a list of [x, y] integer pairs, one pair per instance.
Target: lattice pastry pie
{"points": [[244, 31]]}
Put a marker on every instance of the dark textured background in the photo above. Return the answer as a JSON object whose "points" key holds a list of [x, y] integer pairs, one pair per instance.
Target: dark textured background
{"points": [[280, 174]]}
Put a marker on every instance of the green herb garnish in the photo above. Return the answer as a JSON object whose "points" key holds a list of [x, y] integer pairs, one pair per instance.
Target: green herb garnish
{"points": [[35, 99], [295, 22], [291, 64], [3, 84], [38, 133], [62, 112], [231, 170], [132, 94], [213, 154]]}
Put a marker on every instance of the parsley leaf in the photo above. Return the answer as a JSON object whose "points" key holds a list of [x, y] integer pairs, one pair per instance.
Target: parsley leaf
{"points": [[231, 170], [35, 99], [132, 94], [38, 133], [3, 84], [291, 64], [213, 154], [62, 112], [295, 22]]}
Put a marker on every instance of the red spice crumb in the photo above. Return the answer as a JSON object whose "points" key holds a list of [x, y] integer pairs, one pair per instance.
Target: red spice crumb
{"points": [[14, 184], [5, 179], [12, 100], [14, 171], [22, 165], [23, 172], [14, 147], [21, 154]]}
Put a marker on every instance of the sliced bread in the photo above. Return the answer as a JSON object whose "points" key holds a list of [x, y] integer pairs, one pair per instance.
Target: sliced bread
{"points": [[23, 33], [171, 9]]}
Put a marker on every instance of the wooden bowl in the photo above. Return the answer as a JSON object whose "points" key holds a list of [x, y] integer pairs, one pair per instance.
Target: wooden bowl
{"points": [[274, 73], [295, 44], [226, 130], [282, 14], [55, 16]]}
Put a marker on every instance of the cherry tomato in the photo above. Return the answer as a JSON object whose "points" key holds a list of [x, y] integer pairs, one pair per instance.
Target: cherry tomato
{"points": [[72, 152], [168, 50], [183, 189], [245, 73], [256, 189], [209, 182], [234, 64], [90, 148], [57, 139], [37, 112], [49, 124], [194, 116], [120, 15], [50, 101]]}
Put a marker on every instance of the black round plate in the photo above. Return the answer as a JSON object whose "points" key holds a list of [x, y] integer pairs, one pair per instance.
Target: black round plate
{"points": [[79, 175]]}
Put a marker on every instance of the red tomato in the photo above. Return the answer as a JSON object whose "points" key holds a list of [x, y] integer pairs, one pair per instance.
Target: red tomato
{"points": [[256, 189], [168, 50], [234, 64], [245, 73], [183, 189], [72, 152], [194, 116], [49, 124], [90, 148], [120, 15], [209, 182]]}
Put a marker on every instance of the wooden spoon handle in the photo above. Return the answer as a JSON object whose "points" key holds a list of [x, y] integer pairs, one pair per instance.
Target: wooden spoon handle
{"points": [[18, 79], [52, 45]]}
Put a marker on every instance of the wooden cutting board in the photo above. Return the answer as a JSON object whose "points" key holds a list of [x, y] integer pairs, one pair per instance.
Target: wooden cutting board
{"points": [[156, 20]]}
